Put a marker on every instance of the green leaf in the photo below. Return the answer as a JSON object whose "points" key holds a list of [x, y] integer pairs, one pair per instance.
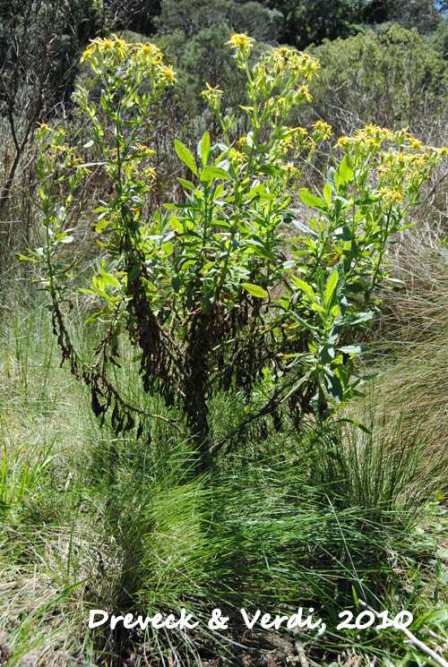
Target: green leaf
{"points": [[313, 201], [327, 191], [305, 287], [209, 174], [185, 155], [335, 387], [26, 258], [204, 148], [330, 287], [317, 307], [344, 173], [255, 290], [176, 224], [108, 279], [187, 185]]}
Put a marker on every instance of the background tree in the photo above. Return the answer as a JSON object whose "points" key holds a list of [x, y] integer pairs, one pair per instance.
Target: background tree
{"points": [[262, 23], [391, 76], [311, 21], [40, 44], [308, 21], [136, 15], [421, 14]]}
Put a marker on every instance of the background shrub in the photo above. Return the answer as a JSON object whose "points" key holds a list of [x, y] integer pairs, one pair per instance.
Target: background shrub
{"points": [[392, 77]]}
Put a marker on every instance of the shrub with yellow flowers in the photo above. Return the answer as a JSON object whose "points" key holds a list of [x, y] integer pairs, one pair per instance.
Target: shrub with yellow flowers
{"points": [[224, 289], [376, 178]]}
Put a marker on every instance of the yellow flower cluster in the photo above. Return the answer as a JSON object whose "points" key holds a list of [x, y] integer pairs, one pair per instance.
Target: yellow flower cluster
{"points": [[343, 141], [149, 51], [401, 169], [374, 137], [286, 68], [368, 137], [150, 174], [282, 76], [297, 138], [285, 59], [53, 142], [143, 152], [299, 133], [44, 131], [303, 93], [376, 132], [98, 47], [236, 156], [213, 96], [322, 130], [105, 55], [400, 161], [241, 43], [415, 143], [391, 196]]}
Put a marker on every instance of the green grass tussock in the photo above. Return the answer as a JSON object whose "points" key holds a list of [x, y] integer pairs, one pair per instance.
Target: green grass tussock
{"points": [[92, 521]]}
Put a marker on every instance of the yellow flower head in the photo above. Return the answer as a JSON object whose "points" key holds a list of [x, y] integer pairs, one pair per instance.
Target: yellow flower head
{"points": [[152, 51], [303, 93], [43, 131], [368, 139], [212, 95], [282, 59], [415, 143], [290, 170], [322, 130], [236, 156], [105, 55], [144, 151], [150, 58], [300, 138], [299, 132], [391, 196], [375, 132], [342, 142], [168, 74], [150, 174], [241, 43]]}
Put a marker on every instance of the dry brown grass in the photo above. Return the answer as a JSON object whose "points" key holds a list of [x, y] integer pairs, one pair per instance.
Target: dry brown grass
{"points": [[411, 341]]}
